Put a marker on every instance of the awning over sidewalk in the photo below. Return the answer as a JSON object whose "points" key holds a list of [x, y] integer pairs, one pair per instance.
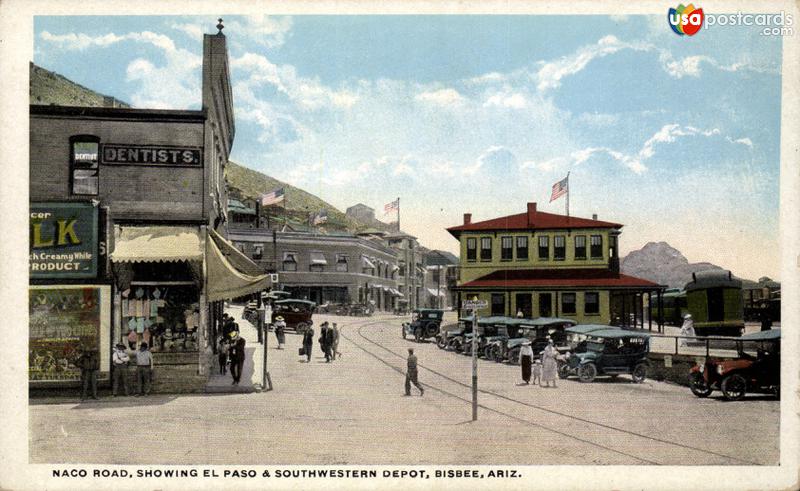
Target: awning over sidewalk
{"points": [[433, 292], [156, 243], [225, 280], [234, 256]]}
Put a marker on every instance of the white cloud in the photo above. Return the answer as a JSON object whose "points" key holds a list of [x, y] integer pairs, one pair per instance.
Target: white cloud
{"points": [[194, 31], [550, 73], [441, 97], [487, 78], [668, 133], [743, 141], [507, 99]]}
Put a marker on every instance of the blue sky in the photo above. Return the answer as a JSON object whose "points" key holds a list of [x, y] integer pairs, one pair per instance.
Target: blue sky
{"points": [[675, 137]]}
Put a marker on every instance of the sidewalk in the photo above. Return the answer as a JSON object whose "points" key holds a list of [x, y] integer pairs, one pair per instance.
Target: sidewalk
{"points": [[252, 378]]}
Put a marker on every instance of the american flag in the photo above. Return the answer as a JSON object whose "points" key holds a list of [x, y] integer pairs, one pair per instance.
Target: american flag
{"points": [[559, 189], [394, 205], [273, 197]]}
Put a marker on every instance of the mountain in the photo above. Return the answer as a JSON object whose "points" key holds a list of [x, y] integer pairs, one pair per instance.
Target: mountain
{"points": [[244, 182], [663, 264], [48, 88]]}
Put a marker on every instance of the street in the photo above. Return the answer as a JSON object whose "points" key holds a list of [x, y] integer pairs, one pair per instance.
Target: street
{"points": [[352, 411]]}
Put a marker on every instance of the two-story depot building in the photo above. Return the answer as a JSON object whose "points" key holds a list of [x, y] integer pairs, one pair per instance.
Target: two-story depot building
{"points": [[128, 215], [545, 265]]}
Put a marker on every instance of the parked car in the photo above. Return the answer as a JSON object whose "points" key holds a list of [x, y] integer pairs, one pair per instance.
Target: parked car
{"points": [[489, 329], [445, 337], [757, 368], [537, 331], [424, 324], [296, 313], [610, 351], [576, 336]]}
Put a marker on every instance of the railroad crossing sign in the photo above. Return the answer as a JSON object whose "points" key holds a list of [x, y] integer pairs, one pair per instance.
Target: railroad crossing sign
{"points": [[474, 304]]}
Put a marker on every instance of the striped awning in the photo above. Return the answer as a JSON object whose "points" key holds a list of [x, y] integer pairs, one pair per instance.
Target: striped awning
{"points": [[156, 243]]}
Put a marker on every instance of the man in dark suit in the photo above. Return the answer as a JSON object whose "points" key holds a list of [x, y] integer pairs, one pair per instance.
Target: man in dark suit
{"points": [[236, 355]]}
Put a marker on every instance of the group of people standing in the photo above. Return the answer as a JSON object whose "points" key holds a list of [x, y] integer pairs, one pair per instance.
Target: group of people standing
{"points": [[544, 370], [328, 342], [89, 363]]}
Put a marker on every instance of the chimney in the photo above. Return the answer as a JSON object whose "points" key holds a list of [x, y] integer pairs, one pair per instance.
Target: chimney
{"points": [[594, 216], [467, 218], [531, 213]]}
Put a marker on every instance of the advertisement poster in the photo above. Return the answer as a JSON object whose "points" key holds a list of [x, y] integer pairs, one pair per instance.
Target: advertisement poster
{"points": [[62, 320], [63, 240]]}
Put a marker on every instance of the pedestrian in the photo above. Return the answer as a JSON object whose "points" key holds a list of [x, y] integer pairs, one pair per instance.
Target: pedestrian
{"points": [[687, 329], [525, 360], [549, 364], [766, 322], [537, 372], [89, 363], [222, 352], [120, 360], [308, 343], [411, 374], [144, 370], [280, 331], [324, 341], [236, 354], [335, 344], [520, 315]]}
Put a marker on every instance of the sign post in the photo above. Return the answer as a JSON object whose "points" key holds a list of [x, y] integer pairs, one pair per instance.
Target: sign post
{"points": [[474, 305]]}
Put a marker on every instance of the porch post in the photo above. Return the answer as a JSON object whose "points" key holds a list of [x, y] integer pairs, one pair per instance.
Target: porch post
{"points": [[650, 310]]}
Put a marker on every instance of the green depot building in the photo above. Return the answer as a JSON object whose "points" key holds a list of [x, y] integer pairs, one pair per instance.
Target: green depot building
{"points": [[550, 265]]}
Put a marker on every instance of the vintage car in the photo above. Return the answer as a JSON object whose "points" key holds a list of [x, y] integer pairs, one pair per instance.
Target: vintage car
{"points": [[453, 339], [610, 351], [537, 331], [489, 330], [756, 369], [424, 324], [296, 313]]}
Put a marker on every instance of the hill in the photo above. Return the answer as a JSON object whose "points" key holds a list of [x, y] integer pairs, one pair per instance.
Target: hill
{"points": [[48, 88], [248, 183], [662, 263]]}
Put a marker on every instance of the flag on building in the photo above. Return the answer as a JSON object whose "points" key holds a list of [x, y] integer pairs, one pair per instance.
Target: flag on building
{"points": [[321, 217], [273, 198], [394, 205], [560, 188]]}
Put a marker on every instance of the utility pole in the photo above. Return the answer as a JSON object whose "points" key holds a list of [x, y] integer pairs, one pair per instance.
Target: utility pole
{"points": [[474, 305]]}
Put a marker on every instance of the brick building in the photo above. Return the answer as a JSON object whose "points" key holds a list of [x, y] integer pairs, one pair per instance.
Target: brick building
{"points": [[128, 213]]}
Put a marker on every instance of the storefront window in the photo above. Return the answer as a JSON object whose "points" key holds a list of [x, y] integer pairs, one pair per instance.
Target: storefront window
{"points": [[290, 261], [568, 303], [166, 317], [258, 251], [591, 301]]}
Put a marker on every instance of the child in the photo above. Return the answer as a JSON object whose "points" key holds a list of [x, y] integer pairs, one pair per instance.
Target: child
{"points": [[537, 372]]}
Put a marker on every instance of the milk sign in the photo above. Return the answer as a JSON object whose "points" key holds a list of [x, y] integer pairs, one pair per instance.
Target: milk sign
{"points": [[63, 240]]}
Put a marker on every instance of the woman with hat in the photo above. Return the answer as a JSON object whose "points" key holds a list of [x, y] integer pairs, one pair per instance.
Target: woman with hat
{"points": [[280, 331], [687, 329], [549, 364], [525, 360]]}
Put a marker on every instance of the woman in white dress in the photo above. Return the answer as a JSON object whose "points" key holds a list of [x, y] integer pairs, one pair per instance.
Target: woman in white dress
{"points": [[549, 364]]}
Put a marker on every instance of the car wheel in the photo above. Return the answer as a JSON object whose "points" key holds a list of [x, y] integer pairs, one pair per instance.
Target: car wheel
{"points": [[418, 334], [698, 385], [639, 373], [734, 387], [301, 328], [497, 354], [441, 342], [487, 353], [563, 370], [587, 373], [513, 356]]}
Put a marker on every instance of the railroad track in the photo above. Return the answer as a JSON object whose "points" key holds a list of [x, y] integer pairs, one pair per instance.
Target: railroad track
{"points": [[648, 441]]}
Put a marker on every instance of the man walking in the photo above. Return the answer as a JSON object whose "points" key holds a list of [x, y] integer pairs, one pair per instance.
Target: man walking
{"points": [[236, 356], [89, 363], [335, 343], [308, 343], [144, 370], [325, 341], [120, 360], [280, 331], [411, 374]]}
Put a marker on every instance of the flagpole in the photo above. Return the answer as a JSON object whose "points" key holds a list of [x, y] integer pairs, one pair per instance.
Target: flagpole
{"points": [[567, 193], [398, 214]]}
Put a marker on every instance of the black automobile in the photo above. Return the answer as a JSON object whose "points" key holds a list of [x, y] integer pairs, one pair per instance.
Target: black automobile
{"points": [[452, 339], [489, 330], [612, 351], [539, 332], [424, 324]]}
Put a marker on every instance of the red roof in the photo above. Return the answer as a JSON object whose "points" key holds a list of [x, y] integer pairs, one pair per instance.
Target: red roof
{"points": [[531, 220], [558, 277]]}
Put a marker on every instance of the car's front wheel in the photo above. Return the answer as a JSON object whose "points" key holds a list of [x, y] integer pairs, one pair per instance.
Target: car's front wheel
{"points": [[698, 385], [734, 387], [587, 372], [563, 370], [441, 342], [513, 356], [639, 373]]}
